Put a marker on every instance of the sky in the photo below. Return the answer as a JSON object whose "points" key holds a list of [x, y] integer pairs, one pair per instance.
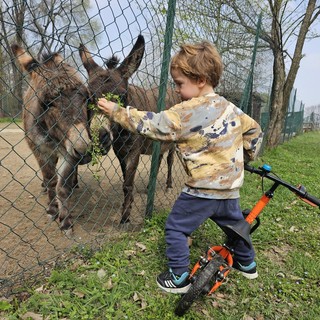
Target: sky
{"points": [[123, 16], [308, 79]]}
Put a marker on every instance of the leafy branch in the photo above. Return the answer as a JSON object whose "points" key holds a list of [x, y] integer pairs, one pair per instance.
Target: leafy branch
{"points": [[96, 125]]}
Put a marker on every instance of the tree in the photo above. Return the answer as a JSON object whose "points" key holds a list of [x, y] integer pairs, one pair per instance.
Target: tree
{"points": [[42, 26], [15, 17], [282, 83], [286, 22]]}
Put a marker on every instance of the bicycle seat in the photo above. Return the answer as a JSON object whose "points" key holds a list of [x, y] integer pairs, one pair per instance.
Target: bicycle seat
{"points": [[240, 229]]}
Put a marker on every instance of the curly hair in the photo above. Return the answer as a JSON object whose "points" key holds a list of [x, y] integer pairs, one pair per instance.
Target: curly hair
{"points": [[199, 61]]}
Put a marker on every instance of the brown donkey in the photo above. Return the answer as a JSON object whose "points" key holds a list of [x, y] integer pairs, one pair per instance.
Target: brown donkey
{"points": [[56, 125], [128, 146]]}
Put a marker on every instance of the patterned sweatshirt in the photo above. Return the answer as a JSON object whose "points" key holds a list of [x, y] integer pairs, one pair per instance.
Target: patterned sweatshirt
{"points": [[213, 139]]}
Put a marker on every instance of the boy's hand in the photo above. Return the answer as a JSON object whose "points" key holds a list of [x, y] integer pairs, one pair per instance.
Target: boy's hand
{"points": [[106, 106]]}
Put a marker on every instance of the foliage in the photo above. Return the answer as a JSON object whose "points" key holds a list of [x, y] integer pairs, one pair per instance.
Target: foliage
{"points": [[96, 124], [118, 281]]}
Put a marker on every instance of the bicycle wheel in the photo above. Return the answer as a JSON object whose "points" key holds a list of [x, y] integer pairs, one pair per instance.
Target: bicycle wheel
{"points": [[202, 280]]}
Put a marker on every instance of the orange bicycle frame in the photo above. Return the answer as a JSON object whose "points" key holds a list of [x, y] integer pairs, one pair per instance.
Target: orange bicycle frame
{"points": [[258, 208]]}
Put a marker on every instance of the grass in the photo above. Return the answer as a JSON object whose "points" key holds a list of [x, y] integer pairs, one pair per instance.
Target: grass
{"points": [[118, 281], [14, 120]]}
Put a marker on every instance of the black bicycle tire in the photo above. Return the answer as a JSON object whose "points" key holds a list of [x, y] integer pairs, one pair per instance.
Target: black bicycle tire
{"points": [[202, 279]]}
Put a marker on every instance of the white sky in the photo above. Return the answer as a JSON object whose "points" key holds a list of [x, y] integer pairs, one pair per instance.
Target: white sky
{"points": [[308, 79]]}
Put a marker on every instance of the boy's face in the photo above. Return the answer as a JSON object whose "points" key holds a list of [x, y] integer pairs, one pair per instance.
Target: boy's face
{"points": [[187, 88]]}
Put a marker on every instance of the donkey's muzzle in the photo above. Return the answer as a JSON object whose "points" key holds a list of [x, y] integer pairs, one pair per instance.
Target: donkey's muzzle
{"points": [[83, 158], [105, 140]]}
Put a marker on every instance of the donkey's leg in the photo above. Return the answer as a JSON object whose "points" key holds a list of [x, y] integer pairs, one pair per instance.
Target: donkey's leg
{"points": [[159, 164], [170, 158], [65, 186], [129, 170], [75, 182], [44, 187], [47, 161], [47, 168]]}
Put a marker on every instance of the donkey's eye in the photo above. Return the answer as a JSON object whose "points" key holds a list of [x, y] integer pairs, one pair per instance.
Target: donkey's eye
{"points": [[48, 104], [32, 66]]}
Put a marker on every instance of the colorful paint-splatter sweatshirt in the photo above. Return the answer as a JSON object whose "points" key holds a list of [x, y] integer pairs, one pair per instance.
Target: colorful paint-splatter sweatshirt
{"points": [[213, 139]]}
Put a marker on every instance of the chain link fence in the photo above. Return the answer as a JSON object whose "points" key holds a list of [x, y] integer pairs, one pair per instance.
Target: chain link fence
{"points": [[30, 241]]}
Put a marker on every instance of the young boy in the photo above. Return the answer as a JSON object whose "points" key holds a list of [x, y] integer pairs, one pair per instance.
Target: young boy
{"points": [[213, 140]]}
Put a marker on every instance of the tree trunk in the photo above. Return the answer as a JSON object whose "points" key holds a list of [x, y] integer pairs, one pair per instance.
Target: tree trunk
{"points": [[2, 91], [277, 110], [297, 56], [282, 86], [276, 122], [17, 14]]}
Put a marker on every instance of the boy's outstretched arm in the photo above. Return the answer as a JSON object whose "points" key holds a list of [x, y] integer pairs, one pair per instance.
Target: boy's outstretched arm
{"points": [[106, 106], [162, 126]]}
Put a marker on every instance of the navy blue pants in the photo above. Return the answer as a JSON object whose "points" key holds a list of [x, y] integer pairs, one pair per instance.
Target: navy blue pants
{"points": [[187, 214]]}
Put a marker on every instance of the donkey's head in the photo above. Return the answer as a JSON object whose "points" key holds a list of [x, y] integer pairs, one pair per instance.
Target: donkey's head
{"points": [[56, 100], [114, 78]]}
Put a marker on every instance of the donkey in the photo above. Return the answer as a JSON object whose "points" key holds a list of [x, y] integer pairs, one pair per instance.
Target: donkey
{"points": [[128, 146], [56, 124]]}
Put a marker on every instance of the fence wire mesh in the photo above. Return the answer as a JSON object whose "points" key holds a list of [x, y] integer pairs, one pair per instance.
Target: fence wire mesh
{"points": [[30, 242]]}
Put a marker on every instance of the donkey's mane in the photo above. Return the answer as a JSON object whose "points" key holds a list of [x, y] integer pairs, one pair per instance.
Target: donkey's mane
{"points": [[112, 62], [47, 56]]}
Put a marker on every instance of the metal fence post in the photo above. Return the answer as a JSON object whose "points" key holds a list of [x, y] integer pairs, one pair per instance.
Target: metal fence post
{"points": [[161, 104], [246, 98]]}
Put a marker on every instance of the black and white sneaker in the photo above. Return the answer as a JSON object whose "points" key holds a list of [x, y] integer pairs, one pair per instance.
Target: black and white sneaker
{"points": [[249, 272], [170, 282]]}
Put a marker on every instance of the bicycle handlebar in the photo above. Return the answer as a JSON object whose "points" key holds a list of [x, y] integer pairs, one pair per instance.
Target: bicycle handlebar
{"points": [[300, 191]]}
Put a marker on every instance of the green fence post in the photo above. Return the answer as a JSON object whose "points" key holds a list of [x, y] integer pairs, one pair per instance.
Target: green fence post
{"points": [[292, 126], [161, 104], [247, 92], [284, 132]]}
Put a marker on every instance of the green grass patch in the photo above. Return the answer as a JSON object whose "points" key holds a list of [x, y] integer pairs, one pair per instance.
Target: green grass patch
{"points": [[10, 120], [118, 281]]}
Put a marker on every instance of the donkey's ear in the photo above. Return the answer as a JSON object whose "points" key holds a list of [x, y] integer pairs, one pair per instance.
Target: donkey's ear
{"points": [[26, 62], [132, 62], [87, 59]]}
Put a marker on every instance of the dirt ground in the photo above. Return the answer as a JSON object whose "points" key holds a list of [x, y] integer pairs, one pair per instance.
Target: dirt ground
{"points": [[30, 241]]}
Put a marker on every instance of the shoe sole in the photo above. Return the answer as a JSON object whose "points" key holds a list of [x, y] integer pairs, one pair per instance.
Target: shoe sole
{"points": [[249, 276], [175, 290]]}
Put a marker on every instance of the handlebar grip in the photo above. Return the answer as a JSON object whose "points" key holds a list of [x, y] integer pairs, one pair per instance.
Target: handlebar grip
{"points": [[308, 198], [311, 200], [251, 169]]}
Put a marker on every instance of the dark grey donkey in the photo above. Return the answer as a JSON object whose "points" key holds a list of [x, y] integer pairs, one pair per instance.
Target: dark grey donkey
{"points": [[128, 146]]}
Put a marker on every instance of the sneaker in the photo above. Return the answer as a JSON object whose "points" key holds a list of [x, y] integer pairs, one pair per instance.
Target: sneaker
{"points": [[170, 282], [250, 271]]}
